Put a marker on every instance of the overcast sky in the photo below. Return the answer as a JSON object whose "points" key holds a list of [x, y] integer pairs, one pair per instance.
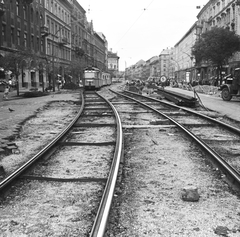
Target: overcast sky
{"points": [[141, 29]]}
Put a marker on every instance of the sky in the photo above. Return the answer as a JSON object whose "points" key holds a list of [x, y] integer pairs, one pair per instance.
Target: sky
{"points": [[141, 29]]}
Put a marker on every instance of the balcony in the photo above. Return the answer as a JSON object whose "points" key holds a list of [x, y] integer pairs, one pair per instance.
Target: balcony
{"points": [[63, 41], [44, 31]]}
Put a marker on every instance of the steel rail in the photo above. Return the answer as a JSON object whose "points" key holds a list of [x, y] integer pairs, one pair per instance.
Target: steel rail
{"points": [[233, 129], [100, 223], [21, 169], [226, 168]]}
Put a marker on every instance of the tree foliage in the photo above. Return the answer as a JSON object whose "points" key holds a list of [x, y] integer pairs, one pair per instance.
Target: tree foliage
{"points": [[216, 46], [13, 60]]}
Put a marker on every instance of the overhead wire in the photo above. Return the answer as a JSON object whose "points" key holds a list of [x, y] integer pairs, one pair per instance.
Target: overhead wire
{"points": [[134, 22]]}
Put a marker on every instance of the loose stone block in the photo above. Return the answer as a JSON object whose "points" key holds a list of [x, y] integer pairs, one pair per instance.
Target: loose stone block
{"points": [[2, 171], [2, 150], [190, 194], [11, 147]]}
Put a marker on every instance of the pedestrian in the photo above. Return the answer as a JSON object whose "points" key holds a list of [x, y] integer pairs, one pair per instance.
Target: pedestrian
{"points": [[59, 84], [6, 92]]}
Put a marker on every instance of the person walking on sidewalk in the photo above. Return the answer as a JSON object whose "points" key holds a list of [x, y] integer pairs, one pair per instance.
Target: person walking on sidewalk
{"points": [[6, 92]]}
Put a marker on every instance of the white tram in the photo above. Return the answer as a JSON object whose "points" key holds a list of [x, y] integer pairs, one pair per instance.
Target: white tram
{"points": [[94, 79]]}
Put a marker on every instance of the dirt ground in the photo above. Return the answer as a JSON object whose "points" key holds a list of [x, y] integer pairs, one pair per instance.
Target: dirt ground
{"points": [[158, 164]]}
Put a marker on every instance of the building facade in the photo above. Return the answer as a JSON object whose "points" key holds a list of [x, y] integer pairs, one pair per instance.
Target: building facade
{"points": [[218, 13], [113, 63], [22, 41], [52, 38], [182, 57]]}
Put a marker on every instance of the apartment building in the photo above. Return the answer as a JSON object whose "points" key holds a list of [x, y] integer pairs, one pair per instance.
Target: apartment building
{"points": [[55, 39], [165, 63], [58, 41], [182, 57], [22, 29], [113, 63], [218, 13]]}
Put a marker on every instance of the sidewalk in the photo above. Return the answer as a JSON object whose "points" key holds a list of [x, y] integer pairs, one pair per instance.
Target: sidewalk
{"points": [[23, 108], [12, 95], [231, 109]]}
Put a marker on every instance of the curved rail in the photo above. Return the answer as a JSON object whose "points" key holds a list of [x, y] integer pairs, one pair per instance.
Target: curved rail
{"points": [[233, 129], [21, 169], [101, 219], [226, 168]]}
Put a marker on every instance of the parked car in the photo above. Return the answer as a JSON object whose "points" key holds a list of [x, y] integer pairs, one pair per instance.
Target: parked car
{"points": [[231, 85]]}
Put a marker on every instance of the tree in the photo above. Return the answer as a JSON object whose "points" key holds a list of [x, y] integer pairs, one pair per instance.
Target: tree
{"points": [[13, 61], [76, 66], [216, 46]]}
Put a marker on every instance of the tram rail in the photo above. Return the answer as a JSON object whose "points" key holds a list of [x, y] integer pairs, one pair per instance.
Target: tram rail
{"points": [[229, 170], [101, 113]]}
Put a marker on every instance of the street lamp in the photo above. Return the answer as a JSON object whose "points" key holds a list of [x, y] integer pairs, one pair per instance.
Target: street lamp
{"points": [[191, 58], [177, 65]]}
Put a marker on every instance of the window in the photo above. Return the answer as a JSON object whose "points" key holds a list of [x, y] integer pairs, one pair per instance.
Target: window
{"points": [[18, 37], [48, 48], [41, 20], [37, 18], [48, 23], [38, 44], [223, 3], [51, 9], [52, 29], [4, 33], [24, 12], [12, 35], [31, 15], [42, 44], [25, 40], [32, 42], [17, 7]]}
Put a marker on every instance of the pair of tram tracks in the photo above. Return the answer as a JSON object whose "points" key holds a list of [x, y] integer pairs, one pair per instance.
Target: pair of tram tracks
{"points": [[98, 116], [160, 162], [215, 137], [88, 153]]}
